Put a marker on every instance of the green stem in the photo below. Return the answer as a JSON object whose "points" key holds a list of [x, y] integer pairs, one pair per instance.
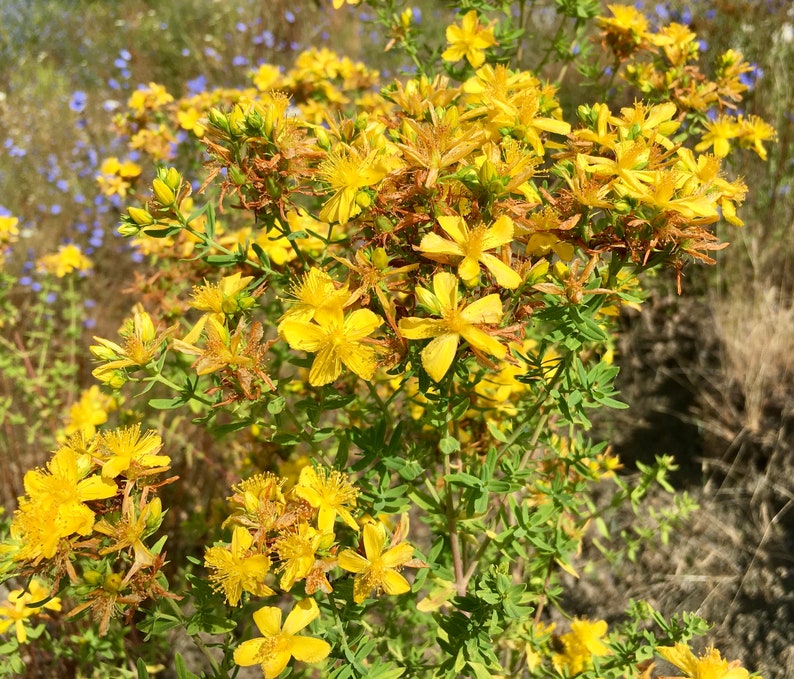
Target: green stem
{"points": [[216, 668]]}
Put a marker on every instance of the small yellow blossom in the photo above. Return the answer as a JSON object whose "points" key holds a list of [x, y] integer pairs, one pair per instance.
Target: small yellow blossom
{"points": [[718, 134], [336, 340], [237, 567], [57, 496], [280, 644], [469, 40], [316, 297], [16, 610], [710, 665], [470, 246], [297, 552], [457, 320], [89, 412], [331, 493], [580, 645], [347, 172], [127, 451], [68, 259], [378, 569]]}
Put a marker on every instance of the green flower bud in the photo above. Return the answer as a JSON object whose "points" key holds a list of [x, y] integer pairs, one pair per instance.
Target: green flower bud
{"points": [[237, 175]]}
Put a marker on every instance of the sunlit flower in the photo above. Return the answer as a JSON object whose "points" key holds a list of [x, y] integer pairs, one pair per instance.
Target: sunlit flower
{"points": [[127, 451], [336, 340], [297, 553], [469, 40], [710, 665], [60, 493], [580, 645], [16, 611], [469, 246], [67, 259], [89, 412], [379, 568], [280, 644], [457, 320], [316, 297], [347, 172], [753, 132], [128, 530], [237, 567], [719, 134], [331, 493]]}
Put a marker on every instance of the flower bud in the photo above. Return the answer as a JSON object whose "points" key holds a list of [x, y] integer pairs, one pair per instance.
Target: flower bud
{"points": [[128, 230], [380, 260], [237, 175], [154, 514], [173, 179], [363, 200], [140, 217], [112, 583], [322, 139], [164, 195]]}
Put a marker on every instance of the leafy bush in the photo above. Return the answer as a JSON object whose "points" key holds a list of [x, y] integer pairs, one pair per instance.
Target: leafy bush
{"points": [[382, 320]]}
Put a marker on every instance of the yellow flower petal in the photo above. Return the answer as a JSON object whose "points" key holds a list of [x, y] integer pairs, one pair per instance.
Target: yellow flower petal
{"points": [[327, 366], [302, 335], [250, 652], [308, 649], [304, 612], [352, 561], [485, 310], [484, 342], [394, 583], [268, 621], [437, 356], [504, 275]]}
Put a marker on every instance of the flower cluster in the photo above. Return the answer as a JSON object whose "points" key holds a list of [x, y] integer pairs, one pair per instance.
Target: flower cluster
{"points": [[88, 516], [664, 64], [294, 533]]}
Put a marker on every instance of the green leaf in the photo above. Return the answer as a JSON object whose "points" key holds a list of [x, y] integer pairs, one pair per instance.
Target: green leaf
{"points": [[449, 445], [166, 403], [182, 671], [143, 673]]}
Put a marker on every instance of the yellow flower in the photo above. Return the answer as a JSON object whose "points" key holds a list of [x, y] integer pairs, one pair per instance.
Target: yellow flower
{"points": [[378, 570], [469, 40], [338, 3], [297, 551], [710, 665], [457, 320], [336, 339], [331, 493], [470, 245], [141, 343], [61, 492], [128, 530], [15, 610], [316, 297], [127, 451], [580, 645], [9, 232], [718, 134], [347, 172], [279, 644], [89, 412], [753, 131], [237, 567], [69, 258]]}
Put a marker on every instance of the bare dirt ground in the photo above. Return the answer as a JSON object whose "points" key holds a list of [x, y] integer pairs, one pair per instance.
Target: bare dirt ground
{"points": [[732, 562]]}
